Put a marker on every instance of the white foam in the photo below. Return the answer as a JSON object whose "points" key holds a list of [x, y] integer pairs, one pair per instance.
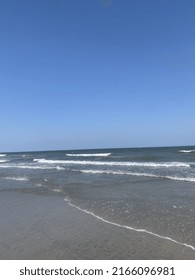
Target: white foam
{"points": [[60, 168], [89, 155], [2, 155], [32, 167], [116, 172], [187, 179], [130, 228], [2, 161], [187, 151], [17, 178], [56, 190], [115, 163]]}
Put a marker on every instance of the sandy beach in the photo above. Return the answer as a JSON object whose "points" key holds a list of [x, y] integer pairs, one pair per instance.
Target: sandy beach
{"points": [[39, 224]]}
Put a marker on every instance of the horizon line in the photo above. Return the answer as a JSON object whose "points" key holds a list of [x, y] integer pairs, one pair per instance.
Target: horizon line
{"points": [[81, 149]]}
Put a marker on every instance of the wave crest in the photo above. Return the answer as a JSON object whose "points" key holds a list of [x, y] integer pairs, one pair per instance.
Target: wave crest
{"points": [[115, 163], [32, 167], [187, 151], [89, 155], [187, 179], [17, 178]]}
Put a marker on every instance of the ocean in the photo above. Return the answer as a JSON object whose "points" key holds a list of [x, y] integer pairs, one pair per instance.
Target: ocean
{"points": [[149, 190]]}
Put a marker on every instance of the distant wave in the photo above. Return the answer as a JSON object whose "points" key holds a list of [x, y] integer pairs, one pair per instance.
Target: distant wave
{"points": [[2, 161], [115, 163], [187, 179], [2, 155], [17, 178], [187, 151], [89, 155]]}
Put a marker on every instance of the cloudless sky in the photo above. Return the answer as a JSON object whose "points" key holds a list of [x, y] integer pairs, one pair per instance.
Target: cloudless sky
{"points": [[92, 74]]}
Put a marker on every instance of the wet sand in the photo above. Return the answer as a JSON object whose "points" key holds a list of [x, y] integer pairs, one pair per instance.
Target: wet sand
{"points": [[39, 224]]}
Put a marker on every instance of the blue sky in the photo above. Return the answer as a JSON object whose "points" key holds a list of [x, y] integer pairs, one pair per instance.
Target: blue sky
{"points": [[94, 74]]}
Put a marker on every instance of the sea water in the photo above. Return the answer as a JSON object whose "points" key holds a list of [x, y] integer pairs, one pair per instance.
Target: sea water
{"points": [[149, 190]]}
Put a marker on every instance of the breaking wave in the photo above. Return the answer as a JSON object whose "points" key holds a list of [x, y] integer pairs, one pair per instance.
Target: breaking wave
{"points": [[17, 178], [89, 155], [187, 151], [187, 179], [32, 167], [114, 163]]}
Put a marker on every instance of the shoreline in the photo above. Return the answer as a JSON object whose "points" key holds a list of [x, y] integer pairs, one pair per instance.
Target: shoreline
{"points": [[132, 228], [40, 225]]}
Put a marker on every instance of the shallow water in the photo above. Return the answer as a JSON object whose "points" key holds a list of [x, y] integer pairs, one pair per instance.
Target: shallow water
{"points": [[149, 189]]}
